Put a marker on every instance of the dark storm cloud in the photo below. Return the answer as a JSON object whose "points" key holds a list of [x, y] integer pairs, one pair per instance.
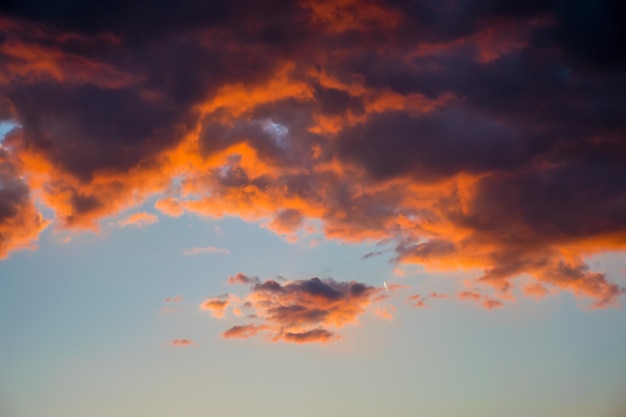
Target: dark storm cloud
{"points": [[87, 128], [431, 146], [475, 134]]}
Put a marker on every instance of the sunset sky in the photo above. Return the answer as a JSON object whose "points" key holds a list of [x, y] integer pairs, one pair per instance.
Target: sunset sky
{"points": [[312, 208]]}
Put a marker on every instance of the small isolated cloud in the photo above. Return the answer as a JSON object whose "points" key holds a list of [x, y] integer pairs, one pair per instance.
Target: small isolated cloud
{"points": [[240, 278], [484, 300], [175, 299], [207, 249], [181, 343], [216, 305], [419, 301], [140, 219], [301, 311]]}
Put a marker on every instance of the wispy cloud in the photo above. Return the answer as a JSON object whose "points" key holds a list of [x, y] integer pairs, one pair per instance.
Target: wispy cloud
{"points": [[140, 219], [484, 300], [419, 300], [205, 250]]}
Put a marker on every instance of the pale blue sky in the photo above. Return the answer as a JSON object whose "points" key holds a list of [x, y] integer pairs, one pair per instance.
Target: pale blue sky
{"points": [[83, 335]]}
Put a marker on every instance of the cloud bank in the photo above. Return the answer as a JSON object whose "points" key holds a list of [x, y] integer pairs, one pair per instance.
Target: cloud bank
{"points": [[470, 134]]}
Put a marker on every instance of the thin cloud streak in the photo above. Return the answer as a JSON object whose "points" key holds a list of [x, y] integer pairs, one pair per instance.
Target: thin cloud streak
{"points": [[140, 219], [206, 250], [181, 343]]}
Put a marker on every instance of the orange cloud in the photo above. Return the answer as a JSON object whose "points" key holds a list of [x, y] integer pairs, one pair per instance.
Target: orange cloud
{"points": [[243, 332], [216, 305], [297, 311], [20, 221], [420, 301], [536, 290], [374, 122], [170, 206], [26, 56], [385, 312], [240, 278], [140, 219], [181, 342], [484, 300]]}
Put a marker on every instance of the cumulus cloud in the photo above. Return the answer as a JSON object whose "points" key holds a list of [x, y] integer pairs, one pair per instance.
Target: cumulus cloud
{"points": [[299, 311], [480, 135], [216, 305]]}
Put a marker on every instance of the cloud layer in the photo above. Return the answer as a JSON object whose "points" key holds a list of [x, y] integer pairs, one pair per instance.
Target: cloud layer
{"points": [[470, 134]]}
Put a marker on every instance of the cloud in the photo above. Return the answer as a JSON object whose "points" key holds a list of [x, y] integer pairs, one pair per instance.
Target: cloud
{"points": [[300, 311], [181, 342], [484, 300], [385, 312], [419, 300], [140, 219], [535, 290], [170, 206], [240, 278], [175, 299], [20, 221], [477, 136], [243, 332], [216, 305], [309, 336], [206, 249]]}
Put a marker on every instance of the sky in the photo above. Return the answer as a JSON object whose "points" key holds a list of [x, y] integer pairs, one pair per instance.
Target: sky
{"points": [[313, 207]]}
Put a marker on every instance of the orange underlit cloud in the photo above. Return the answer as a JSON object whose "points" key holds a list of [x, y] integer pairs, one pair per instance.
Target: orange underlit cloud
{"points": [[485, 301], [300, 311], [362, 122], [181, 342], [140, 219]]}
